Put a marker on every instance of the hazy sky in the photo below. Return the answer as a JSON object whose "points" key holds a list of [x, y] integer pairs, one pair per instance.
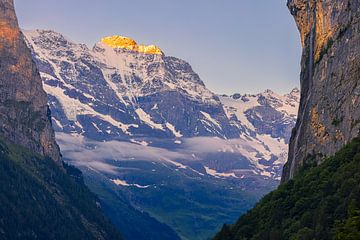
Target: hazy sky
{"points": [[241, 46]]}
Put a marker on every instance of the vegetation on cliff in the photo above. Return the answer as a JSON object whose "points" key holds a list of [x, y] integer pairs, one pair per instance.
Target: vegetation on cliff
{"points": [[321, 202], [39, 200]]}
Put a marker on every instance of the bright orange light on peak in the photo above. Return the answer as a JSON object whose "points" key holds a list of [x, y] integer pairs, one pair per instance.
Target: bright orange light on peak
{"points": [[130, 44]]}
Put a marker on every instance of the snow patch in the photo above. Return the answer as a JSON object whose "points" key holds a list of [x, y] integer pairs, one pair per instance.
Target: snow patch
{"points": [[216, 174], [142, 143], [210, 119], [125, 184], [173, 130], [146, 118]]}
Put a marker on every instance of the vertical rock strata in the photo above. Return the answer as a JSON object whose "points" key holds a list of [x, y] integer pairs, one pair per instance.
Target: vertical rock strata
{"points": [[329, 114], [24, 113]]}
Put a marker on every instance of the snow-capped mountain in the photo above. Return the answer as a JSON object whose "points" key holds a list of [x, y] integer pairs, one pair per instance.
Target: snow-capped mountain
{"points": [[265, 121], [115, 93], [144, 124], [266, 113], [108, 93]]}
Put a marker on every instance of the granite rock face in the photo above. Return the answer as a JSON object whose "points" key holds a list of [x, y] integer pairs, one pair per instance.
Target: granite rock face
{"points": [[24, 113], [329, 114]]}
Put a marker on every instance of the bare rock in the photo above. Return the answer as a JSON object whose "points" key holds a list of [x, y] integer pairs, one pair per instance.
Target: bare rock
{"points": [[24, 113], [329, 114]]}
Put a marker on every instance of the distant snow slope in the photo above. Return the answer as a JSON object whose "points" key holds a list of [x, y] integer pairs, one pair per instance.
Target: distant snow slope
{"points": [[265, 121]]}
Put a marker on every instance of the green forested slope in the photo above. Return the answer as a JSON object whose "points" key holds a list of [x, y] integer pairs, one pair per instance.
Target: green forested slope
{"points": [[321, 202], [39, 200]]}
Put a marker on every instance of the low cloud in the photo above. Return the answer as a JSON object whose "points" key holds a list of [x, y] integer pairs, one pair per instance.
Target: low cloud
{"points": [[215, 144], [95, 155]]}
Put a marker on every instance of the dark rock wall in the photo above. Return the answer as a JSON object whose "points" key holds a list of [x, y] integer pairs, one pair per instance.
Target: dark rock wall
{"points": [[24, 113], [329, 114]]}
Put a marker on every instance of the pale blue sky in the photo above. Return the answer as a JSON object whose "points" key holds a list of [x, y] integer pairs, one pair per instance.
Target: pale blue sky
{"points": [[241, 46]]}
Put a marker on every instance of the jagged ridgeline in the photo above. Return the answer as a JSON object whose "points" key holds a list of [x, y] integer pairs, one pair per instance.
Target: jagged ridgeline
{"points": [[39, 197]]}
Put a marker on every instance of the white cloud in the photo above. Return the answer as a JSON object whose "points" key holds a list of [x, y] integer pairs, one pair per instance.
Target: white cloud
{"points": [[95, 155]]}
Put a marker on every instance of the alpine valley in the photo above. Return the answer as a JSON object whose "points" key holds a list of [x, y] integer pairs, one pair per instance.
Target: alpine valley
{"points": [[163, 153]]}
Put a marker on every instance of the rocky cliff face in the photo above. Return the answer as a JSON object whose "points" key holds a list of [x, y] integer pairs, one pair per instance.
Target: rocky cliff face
{"points": [[329, 114], [24, 113]]}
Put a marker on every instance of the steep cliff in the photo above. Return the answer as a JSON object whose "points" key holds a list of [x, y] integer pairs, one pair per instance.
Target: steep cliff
{"points": [[24, 113], [329, 116]]}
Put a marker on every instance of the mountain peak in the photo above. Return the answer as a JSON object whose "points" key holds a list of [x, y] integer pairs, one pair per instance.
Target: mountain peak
{"points": [[295, 91], [130, 44], [268, 92]]}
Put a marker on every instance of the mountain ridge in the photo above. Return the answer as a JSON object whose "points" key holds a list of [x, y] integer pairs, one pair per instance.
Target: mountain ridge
{"points": [[121, 95]]}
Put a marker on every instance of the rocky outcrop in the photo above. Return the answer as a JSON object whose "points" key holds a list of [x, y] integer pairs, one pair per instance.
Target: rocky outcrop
{"points": [[329, 114], [24, 113]]}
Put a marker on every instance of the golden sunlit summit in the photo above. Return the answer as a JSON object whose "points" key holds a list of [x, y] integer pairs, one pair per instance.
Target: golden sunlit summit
{"points": [[130, 44]]}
